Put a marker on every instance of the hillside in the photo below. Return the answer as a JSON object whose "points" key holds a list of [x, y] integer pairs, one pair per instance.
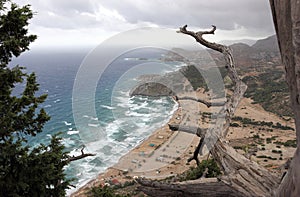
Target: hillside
{"points": [[259, 129], [268, 44], [258, 65], [261, 69]]}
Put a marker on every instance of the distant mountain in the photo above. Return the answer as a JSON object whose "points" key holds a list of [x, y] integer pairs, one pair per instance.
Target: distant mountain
{"points": [[268, 44], [241, 48], [244, 41]]}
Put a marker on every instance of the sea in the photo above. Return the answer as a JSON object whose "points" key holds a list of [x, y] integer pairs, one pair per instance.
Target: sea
{"points": [[126, 120]]}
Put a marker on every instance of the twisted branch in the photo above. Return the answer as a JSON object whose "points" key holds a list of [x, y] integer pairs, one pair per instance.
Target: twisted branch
{"points": [[242, 177], [83, 155]]}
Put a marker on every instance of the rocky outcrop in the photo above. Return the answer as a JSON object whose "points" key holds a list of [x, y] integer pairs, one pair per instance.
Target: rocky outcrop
{"points": [[152, 89], [161, 85]]}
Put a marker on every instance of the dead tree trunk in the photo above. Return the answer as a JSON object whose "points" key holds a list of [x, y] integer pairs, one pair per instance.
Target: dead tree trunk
{"points": [[242, 176], [286, 16], [239, 88]]}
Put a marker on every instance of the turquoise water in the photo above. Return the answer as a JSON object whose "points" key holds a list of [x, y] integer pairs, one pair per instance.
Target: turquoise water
{"points": [[125, 120]]}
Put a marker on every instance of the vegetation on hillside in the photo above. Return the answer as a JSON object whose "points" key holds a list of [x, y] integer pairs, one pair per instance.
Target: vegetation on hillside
{"points": [[248, 121], [209, 167], [269, 89]]}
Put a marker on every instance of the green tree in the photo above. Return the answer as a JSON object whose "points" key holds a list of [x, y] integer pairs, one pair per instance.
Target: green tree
{"points": [[24, 171]]}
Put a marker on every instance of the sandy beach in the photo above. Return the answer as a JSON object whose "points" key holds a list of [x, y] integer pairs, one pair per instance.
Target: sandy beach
{"points": [[161, 155], [165, 152]]}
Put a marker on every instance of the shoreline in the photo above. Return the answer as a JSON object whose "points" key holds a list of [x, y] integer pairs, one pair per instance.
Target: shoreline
{"points": [[163, 154]]}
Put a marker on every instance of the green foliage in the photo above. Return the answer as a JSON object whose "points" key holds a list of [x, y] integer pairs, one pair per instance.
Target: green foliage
{"points": [[104, 192], [277, 151], [205, 78], [256, 136], [13, 31], [269, 89], [270, 139], [196, 172], [266, 157], [24, 171], [194, 76], [248, 121], [288, 143], [234, 124], [238, 147]]}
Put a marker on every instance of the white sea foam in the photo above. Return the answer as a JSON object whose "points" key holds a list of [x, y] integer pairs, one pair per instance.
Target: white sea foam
{"points": [[72, 132], [93, 125], [124, 93], [94, 118], [141, 125], [67, 123], [114, 126], [138, 117], [107, 107], [136, 114], [122, 99], [68, 142]]}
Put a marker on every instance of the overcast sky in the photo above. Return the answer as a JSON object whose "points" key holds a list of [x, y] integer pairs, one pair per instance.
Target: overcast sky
{"points": [[89, 22]]}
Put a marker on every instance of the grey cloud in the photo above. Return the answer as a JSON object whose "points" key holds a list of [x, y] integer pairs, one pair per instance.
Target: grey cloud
{"points": [[253, 15], [63, 7], [63, 14], [227, 15]]}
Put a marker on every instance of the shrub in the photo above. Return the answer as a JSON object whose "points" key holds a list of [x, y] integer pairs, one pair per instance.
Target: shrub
{"points": [[277, 151], [288, 143], [234, 124], [104, 192], [196, 172]]}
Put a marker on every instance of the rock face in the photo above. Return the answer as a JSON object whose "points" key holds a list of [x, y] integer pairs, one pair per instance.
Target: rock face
{"points": [[286, 17], [161, 85], [152, 89]]}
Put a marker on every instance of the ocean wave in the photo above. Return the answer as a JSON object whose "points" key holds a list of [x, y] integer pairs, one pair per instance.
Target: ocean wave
{"points": [[72, 132], [158, 101], [136, 114], [107, 107], [67, 123], [94, 118], [141, 124], [124, 93], [68, 142], [93, 125]]}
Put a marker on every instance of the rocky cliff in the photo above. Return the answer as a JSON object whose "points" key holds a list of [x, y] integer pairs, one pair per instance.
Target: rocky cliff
{"points": [[160, 85]]}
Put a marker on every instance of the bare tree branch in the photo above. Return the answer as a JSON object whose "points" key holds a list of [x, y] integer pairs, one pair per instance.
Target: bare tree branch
{"points": [[205, 187], [242, 177], [83, 155], [239, 88]]}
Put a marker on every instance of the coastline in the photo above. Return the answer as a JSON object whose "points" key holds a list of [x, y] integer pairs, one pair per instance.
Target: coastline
{"points": [[163, 154], [170, 150]]}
